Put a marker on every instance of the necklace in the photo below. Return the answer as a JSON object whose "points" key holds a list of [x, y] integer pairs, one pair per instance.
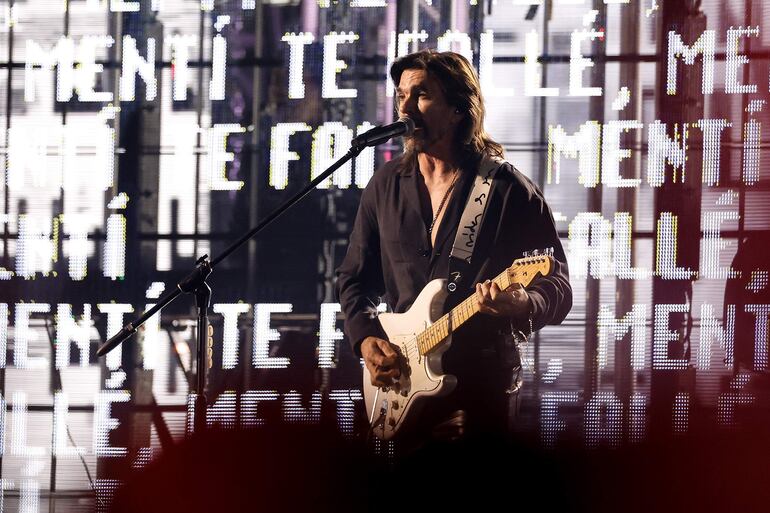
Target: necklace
{"points": [[443, 201]]}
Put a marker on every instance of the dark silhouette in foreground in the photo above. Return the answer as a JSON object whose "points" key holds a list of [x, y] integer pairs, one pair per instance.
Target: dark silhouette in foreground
{"points": [[310, 469]]}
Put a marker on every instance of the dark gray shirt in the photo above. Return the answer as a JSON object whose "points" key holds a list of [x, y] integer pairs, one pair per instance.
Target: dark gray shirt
{"points": [[390, 254]]}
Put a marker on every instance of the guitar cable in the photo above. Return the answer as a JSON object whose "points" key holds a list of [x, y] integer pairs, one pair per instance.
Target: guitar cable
{"points": [[57, 377], [375, 424]]}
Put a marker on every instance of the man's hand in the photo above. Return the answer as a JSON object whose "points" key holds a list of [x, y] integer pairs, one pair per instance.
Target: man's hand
{"points": [[513, 303], [382, 360]]}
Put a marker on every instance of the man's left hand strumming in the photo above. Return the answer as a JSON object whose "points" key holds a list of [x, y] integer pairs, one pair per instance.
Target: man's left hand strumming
{"points": [[513, 304]]}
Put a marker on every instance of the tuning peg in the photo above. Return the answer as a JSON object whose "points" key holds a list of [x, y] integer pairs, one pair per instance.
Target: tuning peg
{"points": [[526, 254], [535, 252]]}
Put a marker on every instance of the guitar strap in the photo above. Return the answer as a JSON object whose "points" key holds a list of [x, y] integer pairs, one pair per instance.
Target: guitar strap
{"points": [[471, 221]]}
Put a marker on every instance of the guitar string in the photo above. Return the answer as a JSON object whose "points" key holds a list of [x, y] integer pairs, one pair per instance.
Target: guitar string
{"points": [[445, 319], [413, 349], [414, 343], [458, 313]]}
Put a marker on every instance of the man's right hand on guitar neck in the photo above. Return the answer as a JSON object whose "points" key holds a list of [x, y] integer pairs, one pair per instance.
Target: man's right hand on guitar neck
{"points": [[382, 359]]}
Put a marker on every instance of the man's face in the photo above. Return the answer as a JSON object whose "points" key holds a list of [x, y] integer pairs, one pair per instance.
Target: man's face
{"points": [[421, 98]]}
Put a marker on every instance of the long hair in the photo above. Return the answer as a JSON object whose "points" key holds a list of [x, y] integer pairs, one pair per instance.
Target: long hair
{"points": [[462, 90]]}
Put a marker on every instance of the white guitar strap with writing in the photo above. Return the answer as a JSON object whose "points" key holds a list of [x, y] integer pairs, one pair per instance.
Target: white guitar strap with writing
{"points": [[472, 218]]}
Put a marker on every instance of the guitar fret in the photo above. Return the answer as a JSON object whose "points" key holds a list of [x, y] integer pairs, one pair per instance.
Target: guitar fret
{"points": [[440, 330]]}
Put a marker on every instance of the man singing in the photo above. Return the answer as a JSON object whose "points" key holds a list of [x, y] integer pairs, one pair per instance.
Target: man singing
{"points": [[403, 235]]}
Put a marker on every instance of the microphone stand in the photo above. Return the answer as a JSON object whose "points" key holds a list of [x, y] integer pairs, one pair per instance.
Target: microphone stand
{"points": [[195, 283]]}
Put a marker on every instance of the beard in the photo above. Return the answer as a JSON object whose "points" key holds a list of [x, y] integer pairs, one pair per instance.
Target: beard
{"points": [[414, 144], [422, 140], [416, 141]]}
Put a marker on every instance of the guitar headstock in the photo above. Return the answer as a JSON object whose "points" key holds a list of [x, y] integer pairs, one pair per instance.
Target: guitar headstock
{"points": [[524, 270]]}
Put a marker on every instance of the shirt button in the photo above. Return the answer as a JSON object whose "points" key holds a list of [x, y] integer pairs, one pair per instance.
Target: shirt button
{"points": [[425, 253]]}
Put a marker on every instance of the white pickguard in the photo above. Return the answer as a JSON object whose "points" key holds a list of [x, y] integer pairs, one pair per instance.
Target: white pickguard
{"points": [[390, 409]]}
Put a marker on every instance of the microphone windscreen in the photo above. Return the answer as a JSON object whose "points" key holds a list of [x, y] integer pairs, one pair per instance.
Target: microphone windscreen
{"points": [[409, 122]]}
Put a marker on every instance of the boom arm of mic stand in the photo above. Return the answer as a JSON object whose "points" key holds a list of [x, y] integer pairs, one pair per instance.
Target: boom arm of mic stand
{"points": [[130, 328], [351, 154], [204, 267]]}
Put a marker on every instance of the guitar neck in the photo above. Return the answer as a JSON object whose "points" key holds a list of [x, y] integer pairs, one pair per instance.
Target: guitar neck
{"points": [[440, 330]]}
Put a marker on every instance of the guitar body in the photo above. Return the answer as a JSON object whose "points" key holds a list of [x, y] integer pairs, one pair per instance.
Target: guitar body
{"points": [[391, 408], [422, 335]]}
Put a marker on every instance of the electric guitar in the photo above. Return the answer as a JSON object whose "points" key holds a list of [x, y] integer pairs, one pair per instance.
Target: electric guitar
{"points": [[422, 335]]}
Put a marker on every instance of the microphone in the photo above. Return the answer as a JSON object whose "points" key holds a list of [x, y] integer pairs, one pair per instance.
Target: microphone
{"points": [[380, 134]]}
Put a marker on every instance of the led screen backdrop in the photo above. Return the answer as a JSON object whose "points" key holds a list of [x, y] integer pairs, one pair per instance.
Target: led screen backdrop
{"points": [[138, 136]]}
